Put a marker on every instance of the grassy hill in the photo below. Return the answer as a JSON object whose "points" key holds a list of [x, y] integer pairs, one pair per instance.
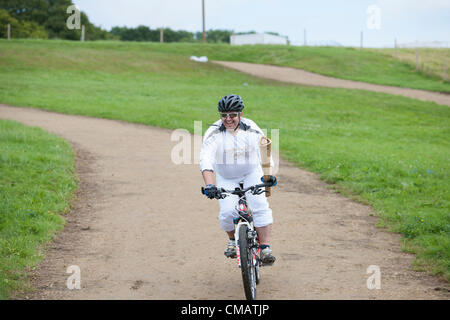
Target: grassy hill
{"points": [[387, 151], [376, 66]]}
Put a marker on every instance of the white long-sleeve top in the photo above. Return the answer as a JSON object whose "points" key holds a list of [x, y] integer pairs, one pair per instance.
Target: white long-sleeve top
{"points": [[232, 156]]}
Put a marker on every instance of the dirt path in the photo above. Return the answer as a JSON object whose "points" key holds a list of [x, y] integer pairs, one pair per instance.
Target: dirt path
{"points": [[140, 229], [303, 77]]}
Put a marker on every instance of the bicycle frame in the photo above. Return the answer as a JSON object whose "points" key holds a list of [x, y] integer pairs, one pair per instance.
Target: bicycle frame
{"points": [[247, 248], [244, 221]]}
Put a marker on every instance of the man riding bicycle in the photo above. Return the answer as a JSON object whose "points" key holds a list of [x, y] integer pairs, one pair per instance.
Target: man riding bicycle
{"points": [[231, 150]]}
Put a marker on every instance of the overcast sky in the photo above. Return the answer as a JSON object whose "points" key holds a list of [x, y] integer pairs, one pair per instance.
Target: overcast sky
{"points": [[324, 20]]}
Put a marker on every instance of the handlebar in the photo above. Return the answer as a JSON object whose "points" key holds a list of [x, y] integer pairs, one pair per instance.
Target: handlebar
{"points": [[256, 189]]}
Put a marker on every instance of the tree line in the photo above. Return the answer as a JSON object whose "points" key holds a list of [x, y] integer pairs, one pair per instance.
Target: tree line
{"points": [[144, 33], [46, 19]]}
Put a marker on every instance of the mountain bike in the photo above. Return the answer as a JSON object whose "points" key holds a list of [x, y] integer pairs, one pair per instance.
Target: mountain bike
{"points": [[247, 245]]}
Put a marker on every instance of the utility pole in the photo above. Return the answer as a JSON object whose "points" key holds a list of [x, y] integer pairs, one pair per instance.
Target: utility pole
{"points": [[203, 12], [161, 35]]}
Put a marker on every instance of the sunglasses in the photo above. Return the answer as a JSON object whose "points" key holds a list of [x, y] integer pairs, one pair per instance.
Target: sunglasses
{"points": [[232, 115]]}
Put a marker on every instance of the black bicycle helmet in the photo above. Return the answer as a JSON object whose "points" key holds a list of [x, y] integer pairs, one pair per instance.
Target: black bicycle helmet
{"points": [[231, 102]]}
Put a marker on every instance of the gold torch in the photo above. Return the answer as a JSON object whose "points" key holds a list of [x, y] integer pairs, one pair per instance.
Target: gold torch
{"points": [[265, 151]]}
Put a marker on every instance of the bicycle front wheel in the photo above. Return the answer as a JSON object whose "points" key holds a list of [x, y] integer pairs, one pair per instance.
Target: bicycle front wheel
{"points": [[247, 267]]}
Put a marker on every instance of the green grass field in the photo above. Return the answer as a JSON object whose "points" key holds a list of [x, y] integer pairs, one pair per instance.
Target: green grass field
{"points": [[387, 151], [36, 184]]}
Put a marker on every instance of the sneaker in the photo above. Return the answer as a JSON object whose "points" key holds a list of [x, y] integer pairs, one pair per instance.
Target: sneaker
{"points": [[266, 257], [230, 251]]}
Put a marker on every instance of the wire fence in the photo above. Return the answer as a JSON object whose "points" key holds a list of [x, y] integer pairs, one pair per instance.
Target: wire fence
{"points": [[431, 57]]}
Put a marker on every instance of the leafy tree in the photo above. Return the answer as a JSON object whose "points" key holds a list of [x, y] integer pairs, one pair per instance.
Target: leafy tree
{"points": [[185, 36], [177, 36], [52, 15], [248, 32], [20, 29], [141, 33], [144, 33], [218, 36]]}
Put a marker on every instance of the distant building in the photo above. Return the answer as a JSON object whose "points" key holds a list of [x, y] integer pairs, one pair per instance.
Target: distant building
{"points": [[257, 38]]}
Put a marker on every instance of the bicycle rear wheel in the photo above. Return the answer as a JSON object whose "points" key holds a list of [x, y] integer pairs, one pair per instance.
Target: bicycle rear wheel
{"points": [[247, 267]]}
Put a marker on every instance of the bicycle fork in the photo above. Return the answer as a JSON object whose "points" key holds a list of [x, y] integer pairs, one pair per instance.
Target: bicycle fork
{"points": [[252, 237]]}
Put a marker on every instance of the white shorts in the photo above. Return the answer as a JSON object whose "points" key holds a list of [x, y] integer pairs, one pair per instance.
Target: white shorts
{"points": [[262, 214]]}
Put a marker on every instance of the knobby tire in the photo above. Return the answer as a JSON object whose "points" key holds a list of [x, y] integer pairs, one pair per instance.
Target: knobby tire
{"points": [[247, 267]]}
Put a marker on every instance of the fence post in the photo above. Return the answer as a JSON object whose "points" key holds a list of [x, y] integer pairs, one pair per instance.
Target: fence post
{"points": [[161, 35], [9, 31], [82, 32], [395, 46], [417, 59], [445, 70]]}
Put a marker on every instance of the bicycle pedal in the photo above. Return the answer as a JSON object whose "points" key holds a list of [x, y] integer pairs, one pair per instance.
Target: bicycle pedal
{"points": [[267, 263], [231, 256]]}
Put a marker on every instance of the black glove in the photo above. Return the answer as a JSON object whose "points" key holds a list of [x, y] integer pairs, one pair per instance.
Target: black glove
{"points": [[210, 191], [272, 180]]}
